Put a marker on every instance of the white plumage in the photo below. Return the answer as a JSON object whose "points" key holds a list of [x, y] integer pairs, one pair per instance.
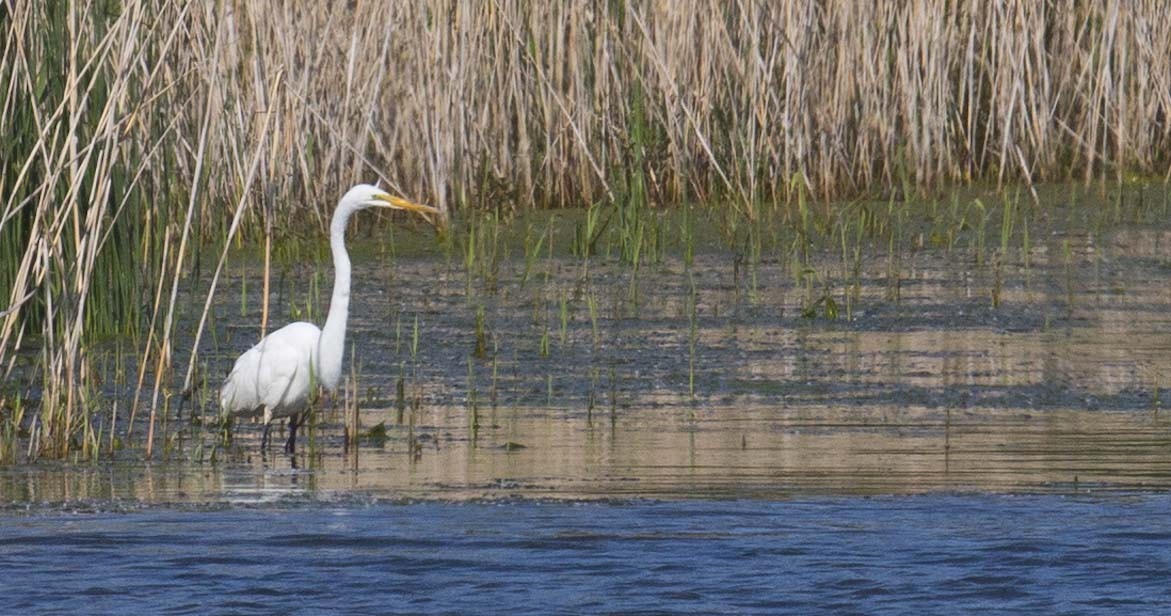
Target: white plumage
{"points": [[272, 378], [276, 378]]}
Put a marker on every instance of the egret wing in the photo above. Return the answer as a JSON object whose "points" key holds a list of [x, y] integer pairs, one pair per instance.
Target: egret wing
{"points": [[275, 374]]}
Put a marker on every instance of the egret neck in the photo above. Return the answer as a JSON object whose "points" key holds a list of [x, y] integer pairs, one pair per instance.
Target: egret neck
{"points": [[332, 344]]}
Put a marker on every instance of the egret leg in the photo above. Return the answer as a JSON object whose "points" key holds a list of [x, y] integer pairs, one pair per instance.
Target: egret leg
{"points": [[291, 444]]}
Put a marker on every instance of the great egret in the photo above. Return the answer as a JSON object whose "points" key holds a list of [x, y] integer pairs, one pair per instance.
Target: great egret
{"points": [[276, 377]]}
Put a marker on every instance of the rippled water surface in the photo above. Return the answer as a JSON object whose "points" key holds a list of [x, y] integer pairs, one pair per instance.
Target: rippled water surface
{"points": [[911, 555]]}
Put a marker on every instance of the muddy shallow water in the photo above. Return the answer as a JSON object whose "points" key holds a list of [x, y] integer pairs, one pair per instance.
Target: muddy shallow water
{"points": [[558, 377]]}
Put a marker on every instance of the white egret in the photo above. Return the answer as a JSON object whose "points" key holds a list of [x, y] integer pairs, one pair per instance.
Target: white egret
{"points": [[276, 377]]}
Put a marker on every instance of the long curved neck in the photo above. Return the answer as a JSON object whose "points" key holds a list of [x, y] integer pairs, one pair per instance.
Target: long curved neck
{"points": [[332, 344]]}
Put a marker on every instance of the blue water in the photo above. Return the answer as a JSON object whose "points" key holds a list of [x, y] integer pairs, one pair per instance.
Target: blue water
{"points": [[914, 555]]}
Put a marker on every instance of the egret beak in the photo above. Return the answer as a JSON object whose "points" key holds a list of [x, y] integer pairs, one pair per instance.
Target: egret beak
{"points": [[433, 216]]}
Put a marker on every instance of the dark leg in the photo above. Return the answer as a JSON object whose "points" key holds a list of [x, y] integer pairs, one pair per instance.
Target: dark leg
{"points": [[264, 439], [291, 444]]}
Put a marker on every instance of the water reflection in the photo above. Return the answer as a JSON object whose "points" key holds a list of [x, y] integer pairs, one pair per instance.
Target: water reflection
{"points": [[739, 450]]}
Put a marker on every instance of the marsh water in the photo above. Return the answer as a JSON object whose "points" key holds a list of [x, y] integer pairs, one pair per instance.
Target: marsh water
{"points": [[944, 427]]}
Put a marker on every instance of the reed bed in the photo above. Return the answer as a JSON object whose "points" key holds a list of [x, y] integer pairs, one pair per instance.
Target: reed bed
{"points": [[136, 135]]}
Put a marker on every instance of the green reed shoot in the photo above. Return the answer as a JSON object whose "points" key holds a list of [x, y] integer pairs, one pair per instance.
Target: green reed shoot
{"points": [[480, 350], [591, 396], [415, 339], [532, 249], [1026, 247], [687, 233], [692, 333], [592, 306], [564, 312], [981, 232], [243, 291], [613, 395], [493, 392], [894, 261], [398, 332], [400, 392], [588, 231], [469, 259], [472, 402]]}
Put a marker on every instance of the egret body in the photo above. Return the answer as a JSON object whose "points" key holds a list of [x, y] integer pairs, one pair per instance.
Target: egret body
{"points": [[276, 378]]}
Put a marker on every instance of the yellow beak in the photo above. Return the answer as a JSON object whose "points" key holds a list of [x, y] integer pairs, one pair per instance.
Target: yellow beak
{"points": [[432, 215], [399, 203]]}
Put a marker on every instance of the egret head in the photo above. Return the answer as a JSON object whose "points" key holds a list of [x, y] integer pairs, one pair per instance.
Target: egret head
{"points": [[363, 196]]}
